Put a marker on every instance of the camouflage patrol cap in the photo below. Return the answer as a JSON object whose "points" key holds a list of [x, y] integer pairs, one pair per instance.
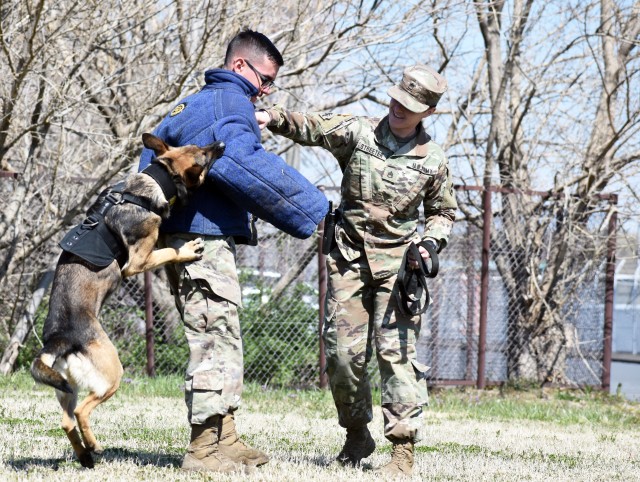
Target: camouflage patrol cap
{"points": [[421, 88]]}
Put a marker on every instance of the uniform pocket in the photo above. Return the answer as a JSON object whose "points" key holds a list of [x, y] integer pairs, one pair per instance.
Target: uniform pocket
{"points": [[421, 369], [209, 380], [413, 197], [213, 281]]}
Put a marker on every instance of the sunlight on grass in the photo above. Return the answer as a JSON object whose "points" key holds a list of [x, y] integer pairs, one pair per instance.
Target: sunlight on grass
{"points": [[545, 406], [469, 435]]}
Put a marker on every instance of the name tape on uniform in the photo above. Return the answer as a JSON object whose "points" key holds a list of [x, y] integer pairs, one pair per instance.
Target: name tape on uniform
{"points": [[363, 146]]}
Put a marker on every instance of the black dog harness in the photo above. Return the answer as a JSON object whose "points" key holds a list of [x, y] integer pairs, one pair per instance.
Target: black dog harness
{"points": [[412, 283], [94, 241]]}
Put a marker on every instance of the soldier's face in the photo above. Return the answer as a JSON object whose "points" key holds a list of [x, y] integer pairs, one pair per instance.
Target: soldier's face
{"points": [[261, 73], [402, 120]]}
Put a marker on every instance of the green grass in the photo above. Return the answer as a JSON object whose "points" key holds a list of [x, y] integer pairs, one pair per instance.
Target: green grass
{"points": [[561, 407], [164, 386], [269, 400], [557, 406], [508, 434]]}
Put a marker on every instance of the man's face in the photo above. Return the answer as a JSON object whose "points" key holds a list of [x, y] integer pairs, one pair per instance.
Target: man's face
{"points": [[261, 73], [402, 119]]}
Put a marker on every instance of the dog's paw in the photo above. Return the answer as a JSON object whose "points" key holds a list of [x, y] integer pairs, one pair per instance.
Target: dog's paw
{"points": [[196, 245], [86, 460], [192, 250], [200, 244], [97, 449]]}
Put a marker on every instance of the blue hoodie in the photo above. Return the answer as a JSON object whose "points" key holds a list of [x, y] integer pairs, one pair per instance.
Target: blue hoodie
{"points": [[246, 178]]}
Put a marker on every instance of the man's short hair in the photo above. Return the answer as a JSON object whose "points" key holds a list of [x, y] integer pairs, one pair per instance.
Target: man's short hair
{"points": [[254, 43]]}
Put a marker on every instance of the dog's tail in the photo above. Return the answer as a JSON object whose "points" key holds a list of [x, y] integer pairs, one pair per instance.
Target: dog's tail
{"points": [[42, 369]]}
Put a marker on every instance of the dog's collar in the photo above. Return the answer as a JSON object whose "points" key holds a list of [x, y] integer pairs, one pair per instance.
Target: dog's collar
{"points": [[118, 196], [160, 175]]}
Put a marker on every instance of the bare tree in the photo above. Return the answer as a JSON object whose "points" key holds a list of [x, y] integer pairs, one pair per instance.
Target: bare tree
{"points": [[552, 103], [543, 103], [83, 80], [543, 107], [543, 97]]}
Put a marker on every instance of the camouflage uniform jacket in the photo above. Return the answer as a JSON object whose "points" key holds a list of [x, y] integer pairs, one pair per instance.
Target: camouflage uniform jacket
{"points": [[383, 184]]}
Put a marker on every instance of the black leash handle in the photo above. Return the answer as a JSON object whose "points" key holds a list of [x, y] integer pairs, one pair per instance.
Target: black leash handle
{"points": [[329, 234], [433, 255], [412, 283]]}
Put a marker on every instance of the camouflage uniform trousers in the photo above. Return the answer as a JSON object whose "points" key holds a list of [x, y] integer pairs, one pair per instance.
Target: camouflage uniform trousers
{"points": [[358, 311], [207, 294]]}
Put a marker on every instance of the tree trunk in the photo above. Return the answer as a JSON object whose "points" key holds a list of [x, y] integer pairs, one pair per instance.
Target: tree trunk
{"points": [[25, 324], [292, 275]]}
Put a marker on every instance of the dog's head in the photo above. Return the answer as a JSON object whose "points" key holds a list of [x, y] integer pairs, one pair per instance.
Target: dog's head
{"points": [[187, 165]]}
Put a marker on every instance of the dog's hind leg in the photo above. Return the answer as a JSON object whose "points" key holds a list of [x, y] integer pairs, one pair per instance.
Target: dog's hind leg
{"points": [[104, 375], [82, 414], [68, 404]]}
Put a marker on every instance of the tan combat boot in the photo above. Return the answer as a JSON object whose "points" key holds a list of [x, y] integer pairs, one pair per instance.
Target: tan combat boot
{"points": [[203, 454], [401, 461], [359, 445], [235, 449]]}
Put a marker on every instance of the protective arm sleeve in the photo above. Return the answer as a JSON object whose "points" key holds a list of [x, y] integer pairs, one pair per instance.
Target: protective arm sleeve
{"points": [[336, 133], [264, 183]]}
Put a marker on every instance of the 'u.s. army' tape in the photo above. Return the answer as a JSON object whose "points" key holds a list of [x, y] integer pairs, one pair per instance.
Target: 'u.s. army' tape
{"points": [[430, 171]]}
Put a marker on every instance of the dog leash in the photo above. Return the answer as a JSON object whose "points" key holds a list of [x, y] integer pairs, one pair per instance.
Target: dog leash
{"points": [[412, 283]]}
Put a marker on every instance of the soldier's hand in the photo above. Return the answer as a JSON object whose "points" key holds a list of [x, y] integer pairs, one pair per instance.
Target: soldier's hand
{"points": [[263, 118], [413, 263]]}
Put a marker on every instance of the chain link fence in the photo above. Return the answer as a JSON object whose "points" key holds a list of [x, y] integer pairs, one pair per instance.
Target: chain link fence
{"points": [[466, 327], [568, 340]]}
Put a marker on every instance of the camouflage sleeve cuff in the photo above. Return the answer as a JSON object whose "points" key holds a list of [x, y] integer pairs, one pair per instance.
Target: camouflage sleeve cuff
{"points": [[439, 227], [436, 242], [266, 111], [275, 115], [271, 117]]}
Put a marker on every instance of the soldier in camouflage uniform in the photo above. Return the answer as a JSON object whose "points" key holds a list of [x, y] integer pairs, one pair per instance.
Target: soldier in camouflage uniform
{"points": [[390, 166], [245, 179]]}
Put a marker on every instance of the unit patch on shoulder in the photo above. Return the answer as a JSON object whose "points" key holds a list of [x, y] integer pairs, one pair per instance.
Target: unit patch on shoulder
{"points": [[363, 146], [331, 123], [177, 109], [430, 171]]}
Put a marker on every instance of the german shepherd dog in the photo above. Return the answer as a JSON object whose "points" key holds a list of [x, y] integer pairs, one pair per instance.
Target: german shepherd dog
{"points": [[77, 353]]}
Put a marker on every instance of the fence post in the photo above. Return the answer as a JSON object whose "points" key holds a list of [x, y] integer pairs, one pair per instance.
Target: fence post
{"points": [[148, 311], [484, 283], [322, 294], [472, 303], [608, 297]]}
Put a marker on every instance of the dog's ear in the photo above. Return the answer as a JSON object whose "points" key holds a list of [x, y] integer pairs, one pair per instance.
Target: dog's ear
{"points": [[215, 150], [154, 143]]}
